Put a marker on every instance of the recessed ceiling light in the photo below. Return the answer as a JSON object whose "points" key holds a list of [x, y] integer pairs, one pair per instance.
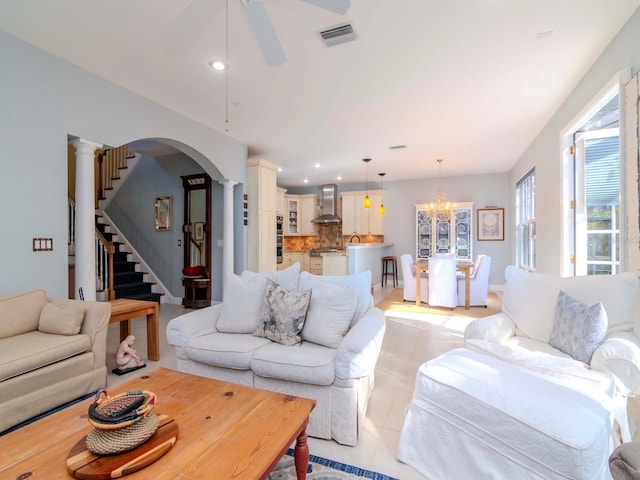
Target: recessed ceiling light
{"points": [[306, 180], [279, 169], [217, 65], [339, 177], [317, 165]]}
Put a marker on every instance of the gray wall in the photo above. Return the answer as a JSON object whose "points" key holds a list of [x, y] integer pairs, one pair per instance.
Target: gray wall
{"points": [[545, 151], [43, 100]]}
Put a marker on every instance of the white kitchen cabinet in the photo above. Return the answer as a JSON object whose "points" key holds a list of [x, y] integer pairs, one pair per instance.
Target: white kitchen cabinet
{"points": [[261, 215], [300, 210], [280, 203], [335, 265], [357, 220], [315, 265], [451, 233]]}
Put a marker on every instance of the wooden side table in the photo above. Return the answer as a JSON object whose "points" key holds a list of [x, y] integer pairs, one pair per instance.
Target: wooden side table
{"points": [[124, 309], [196, 292]]}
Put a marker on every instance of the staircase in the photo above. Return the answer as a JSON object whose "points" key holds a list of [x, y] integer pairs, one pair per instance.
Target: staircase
{"points": [[127, 281]]}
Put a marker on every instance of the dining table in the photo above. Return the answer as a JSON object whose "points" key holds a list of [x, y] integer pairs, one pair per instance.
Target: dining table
{"points": [[462, 265]]}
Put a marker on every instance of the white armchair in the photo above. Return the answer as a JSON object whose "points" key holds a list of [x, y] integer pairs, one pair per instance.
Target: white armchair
{"points": [[409, 280], [478, 282], [443, 287], [528, 313]]}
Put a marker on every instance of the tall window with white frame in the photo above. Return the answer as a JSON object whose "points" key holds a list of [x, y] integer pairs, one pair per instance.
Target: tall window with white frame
{"points": [[526, 221]]}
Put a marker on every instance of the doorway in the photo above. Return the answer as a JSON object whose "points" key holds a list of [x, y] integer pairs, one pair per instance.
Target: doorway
{"points": [[592, 188]]}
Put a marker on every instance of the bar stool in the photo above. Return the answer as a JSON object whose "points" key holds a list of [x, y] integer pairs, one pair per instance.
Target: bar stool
{"points": [[390, 267]]}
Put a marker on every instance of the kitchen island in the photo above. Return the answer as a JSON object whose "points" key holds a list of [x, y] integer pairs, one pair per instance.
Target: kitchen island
{"points": [[367, 256]]}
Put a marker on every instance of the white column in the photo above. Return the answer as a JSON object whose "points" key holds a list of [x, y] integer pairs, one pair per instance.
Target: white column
{"points": [[85, 276], [227, 225]]}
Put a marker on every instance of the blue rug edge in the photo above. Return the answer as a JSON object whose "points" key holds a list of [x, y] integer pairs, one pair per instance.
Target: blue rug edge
{"points": [[47, 413], [345, 467]]}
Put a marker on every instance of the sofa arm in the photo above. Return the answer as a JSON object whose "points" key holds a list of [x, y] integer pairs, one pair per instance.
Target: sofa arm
{"points": [[494, 328], [359, 350], [94, 324], [197, 322], [619, 355]]}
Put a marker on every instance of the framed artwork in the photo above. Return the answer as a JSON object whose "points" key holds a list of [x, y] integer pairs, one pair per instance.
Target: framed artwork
{"points": [[198, 231], [490, 224], [164, 213]]}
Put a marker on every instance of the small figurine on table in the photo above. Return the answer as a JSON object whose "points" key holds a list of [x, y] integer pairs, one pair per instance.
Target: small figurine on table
{"points": [[127, 360]]}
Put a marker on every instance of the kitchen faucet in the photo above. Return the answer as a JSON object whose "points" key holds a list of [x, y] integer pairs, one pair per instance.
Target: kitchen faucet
{"points": [[352, 237]]}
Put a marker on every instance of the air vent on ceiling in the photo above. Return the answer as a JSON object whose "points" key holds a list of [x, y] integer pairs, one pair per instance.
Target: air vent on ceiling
{"points": [[338, 34]]}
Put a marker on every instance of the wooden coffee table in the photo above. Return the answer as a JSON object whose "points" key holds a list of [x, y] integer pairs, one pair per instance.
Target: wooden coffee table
{"points": [[226, 431]]}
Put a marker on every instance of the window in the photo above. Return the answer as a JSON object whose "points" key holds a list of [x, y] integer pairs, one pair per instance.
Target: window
{"points": [[526, 221]]}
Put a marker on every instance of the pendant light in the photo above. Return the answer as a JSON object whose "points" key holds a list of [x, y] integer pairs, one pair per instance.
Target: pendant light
{"points": [[367, 201], [381, 208]]}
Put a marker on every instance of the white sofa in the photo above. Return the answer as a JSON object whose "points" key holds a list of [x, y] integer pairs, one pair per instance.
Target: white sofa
{"points": [[511, 405], [333, 364]]}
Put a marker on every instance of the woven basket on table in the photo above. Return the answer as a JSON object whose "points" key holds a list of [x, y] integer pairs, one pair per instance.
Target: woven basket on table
{"points": [[121, 422]]}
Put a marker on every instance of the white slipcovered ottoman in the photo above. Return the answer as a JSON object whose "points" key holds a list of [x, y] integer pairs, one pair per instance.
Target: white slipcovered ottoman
{"points": [[474, 416]]}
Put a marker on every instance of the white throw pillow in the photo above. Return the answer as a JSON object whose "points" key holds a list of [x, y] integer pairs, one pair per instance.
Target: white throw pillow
{"points": [[330, 313], [360, 281], [288, 277], [530, 301], [241, 304], [578, 328]]}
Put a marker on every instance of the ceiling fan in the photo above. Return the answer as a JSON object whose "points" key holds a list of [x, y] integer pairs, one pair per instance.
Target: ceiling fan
{"points": [[198, 13]]}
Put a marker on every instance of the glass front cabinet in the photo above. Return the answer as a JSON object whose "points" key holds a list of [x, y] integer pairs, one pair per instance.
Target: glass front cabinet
{"points": [[449, 232]]}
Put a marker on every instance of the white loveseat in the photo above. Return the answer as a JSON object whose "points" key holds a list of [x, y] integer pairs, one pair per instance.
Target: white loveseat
{"points": [[333, 364]]}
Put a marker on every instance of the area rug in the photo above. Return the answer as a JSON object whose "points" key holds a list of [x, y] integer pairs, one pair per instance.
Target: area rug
{"points": [[394, 304], [323, 469]]}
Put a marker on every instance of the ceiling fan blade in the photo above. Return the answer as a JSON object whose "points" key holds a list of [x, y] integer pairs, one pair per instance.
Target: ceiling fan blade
{"points": [[337, 6], [190, 23], [265, 33]]}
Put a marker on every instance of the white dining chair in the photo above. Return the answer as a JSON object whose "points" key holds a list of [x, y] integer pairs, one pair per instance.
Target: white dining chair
{"points": [[478, 282], [443, 286], [409, 280]]}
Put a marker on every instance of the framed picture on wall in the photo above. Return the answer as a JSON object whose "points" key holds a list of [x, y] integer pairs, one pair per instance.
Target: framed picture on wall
{"points": [[490, 224], [198, 231], [164, 213]]}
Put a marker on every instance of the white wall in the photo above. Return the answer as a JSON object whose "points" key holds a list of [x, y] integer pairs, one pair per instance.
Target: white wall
{"points": [[544, 152], [43, 99]]}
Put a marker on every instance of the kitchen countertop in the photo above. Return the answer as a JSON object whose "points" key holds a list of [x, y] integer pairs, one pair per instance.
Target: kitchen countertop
{"points": [[368, 245]]}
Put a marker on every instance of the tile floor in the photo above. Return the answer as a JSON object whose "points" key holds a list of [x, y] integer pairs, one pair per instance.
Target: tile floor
{"points": [[408, 343]]}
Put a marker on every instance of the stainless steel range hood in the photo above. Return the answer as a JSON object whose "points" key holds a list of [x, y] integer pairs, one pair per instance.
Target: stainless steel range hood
{"points": [[329, 196]]}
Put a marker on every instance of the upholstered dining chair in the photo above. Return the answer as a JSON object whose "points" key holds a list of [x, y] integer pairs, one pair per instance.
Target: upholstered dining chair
{"points": [[443, 286], [478, 282], [409, 280]]}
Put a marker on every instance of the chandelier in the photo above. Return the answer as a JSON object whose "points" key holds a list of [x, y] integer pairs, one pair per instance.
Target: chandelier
{"points": [[440, 206]]}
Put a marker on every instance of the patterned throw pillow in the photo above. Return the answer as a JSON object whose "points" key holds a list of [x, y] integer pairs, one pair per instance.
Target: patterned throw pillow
{"points": [[578, 328], [283, 314]]}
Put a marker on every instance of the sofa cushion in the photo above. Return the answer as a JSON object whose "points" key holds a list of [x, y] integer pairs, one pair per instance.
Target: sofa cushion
{"points": [[59, 320], [20, 313], [360, 281], [288, 277], [330, 313], [618, 294], [241, 304], [228, 350], [578, 328], [32, 350], [530, 301], [304, 363], [283, 314]]}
